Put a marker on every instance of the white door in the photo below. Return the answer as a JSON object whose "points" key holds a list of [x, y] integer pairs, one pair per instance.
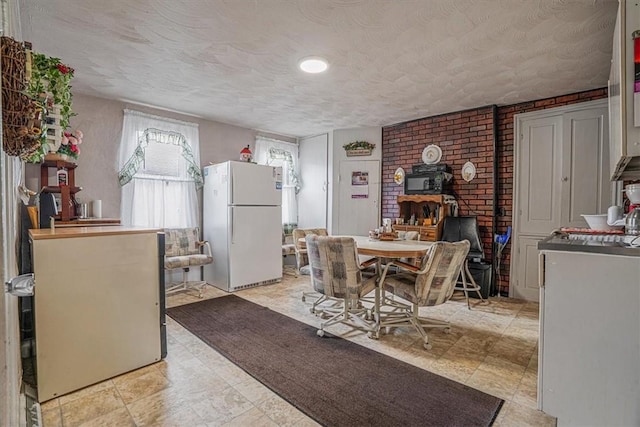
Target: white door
{"points": [[312, 198], [586, 181], [255, 246], [561, 170], [540, 175], [527, 285], [254, 185], [359, 208]]}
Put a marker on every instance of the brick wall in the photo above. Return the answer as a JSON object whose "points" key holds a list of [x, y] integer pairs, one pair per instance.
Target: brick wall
{"points": [[467, 136]]}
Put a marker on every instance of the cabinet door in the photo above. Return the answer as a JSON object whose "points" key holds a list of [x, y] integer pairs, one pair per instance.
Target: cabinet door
{"points": [[588, 369], [312, 198], [526, 285], [585, 182], [540, 175]]}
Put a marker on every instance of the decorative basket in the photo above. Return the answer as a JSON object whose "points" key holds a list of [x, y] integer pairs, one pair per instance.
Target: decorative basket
{"points": [[21, 116]]}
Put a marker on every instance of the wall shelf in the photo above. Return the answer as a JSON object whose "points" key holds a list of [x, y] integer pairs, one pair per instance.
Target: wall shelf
{"points": [[417, 205], [67, 192]]}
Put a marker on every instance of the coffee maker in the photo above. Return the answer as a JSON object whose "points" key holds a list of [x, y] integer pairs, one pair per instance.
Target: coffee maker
{"points": [[632, 220]]}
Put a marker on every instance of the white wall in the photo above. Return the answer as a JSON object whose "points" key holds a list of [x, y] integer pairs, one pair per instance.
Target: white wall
{"points": [[337, 154], [101, 122]]}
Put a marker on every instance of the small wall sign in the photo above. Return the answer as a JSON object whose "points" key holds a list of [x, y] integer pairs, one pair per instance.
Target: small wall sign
{"points": [[359, 148]]}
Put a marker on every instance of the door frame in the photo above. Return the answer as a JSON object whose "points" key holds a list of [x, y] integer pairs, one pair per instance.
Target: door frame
{"points": [[518, 120]]}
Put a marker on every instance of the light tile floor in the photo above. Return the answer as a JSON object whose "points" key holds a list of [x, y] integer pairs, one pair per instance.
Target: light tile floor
{"points": [[491, 347]]}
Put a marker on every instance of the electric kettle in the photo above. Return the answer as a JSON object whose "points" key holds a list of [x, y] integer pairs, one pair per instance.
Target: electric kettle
{"points": [[632, 222]]}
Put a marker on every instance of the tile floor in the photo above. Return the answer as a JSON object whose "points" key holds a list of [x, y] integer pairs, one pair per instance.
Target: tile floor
{"points": [[491, 347]]}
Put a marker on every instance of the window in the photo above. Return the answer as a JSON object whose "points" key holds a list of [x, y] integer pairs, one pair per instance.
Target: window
{"points": [[284, 154], [159, 171]]}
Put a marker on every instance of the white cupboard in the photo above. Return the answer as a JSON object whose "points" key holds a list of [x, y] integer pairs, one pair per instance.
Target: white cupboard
{"points": [[561, 172], [589, 350]]}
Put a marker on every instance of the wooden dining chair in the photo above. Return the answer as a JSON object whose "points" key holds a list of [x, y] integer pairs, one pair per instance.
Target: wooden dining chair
{"points": [[336, 273], [428, 285]]}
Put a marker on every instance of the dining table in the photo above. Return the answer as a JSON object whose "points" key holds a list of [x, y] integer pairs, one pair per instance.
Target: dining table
{"points": [[384, 251], [391, 248]]}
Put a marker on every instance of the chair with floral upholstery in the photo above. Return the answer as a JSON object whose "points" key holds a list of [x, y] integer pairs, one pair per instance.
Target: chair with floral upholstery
{"points": [[336, 273], [183, 249]]}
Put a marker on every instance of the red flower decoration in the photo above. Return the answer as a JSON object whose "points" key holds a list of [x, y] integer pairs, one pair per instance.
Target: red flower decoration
{"points": [[63, 68]]}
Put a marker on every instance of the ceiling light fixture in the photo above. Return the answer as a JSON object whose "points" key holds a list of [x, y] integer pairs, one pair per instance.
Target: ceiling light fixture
{"points": [[313, 64]]}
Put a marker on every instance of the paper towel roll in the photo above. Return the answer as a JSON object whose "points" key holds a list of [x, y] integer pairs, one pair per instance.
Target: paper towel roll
{"points": [[96, 208]]}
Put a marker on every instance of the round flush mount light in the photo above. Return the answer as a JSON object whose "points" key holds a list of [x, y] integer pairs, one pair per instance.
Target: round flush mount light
{"points": [[313, 64]]}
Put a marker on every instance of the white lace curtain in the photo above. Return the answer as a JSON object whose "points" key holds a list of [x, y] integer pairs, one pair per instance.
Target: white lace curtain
{"points": [[159, 171], [284, 154]]}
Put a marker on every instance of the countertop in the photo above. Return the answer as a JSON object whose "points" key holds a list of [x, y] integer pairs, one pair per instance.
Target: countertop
{"points": [[80, 222], [67, 232], [562, 242]]}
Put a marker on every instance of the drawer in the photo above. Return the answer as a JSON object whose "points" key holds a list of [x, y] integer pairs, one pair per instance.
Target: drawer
{"points": [[407, 228], [428, 234]]}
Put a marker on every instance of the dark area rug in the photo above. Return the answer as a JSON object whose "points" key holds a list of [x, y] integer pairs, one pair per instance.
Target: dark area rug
{"points": [[332, 380]]}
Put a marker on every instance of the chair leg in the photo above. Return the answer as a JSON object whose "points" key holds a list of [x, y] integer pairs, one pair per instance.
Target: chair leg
{"points": [[184, 285], [468, 284], [408, 315], [350, 315]]}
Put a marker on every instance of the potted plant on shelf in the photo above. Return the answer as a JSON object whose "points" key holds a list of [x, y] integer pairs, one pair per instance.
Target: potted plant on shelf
{"points": [[359, 148]]}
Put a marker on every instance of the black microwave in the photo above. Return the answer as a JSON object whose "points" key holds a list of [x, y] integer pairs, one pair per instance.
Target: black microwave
{"points": [[436, 182]]}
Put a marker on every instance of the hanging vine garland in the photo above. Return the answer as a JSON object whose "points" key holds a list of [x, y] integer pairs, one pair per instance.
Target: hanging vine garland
{"points": [[22, 126]]}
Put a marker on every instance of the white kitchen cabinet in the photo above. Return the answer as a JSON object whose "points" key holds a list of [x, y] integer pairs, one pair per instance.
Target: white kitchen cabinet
{"points": [[589, 354], [624, 103], [561, 172], [99, 305]]}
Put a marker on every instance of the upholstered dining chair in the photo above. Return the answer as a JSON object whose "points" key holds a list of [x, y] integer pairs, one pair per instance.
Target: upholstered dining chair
{"points": [[428, 285], [336, 274], [302, 261], [184, 249]]}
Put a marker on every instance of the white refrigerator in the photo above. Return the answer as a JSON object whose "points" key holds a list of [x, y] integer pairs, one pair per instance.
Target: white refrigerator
{"points": [[242, 220]]}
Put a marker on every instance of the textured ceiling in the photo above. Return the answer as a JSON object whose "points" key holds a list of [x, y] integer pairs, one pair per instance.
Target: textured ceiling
{"points": [[234, 61]]}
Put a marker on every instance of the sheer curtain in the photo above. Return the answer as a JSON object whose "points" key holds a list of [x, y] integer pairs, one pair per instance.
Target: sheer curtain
{"points": [[159, 171], [285, 154]]}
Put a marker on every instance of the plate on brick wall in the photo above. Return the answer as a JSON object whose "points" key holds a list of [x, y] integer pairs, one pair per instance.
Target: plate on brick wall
{"points": [[431, 154], [468, 171], [398, 176]]}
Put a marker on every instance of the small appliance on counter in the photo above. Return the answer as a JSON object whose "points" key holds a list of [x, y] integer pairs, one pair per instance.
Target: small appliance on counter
{"points": [[632, 220], [428, 179]]}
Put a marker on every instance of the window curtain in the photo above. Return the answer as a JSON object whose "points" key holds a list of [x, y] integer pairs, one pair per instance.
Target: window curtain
{"points": [[159, 171], [272, 152]]}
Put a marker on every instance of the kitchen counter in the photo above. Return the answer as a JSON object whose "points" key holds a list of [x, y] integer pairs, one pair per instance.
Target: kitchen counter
{"points": [[69, 232], [589, 348], [88, 222], [598, 244], [98, 304]]}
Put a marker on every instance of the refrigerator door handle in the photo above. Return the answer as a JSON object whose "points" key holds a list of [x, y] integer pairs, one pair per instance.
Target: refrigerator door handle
{"points": [[232, 229], [541, 269]]}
